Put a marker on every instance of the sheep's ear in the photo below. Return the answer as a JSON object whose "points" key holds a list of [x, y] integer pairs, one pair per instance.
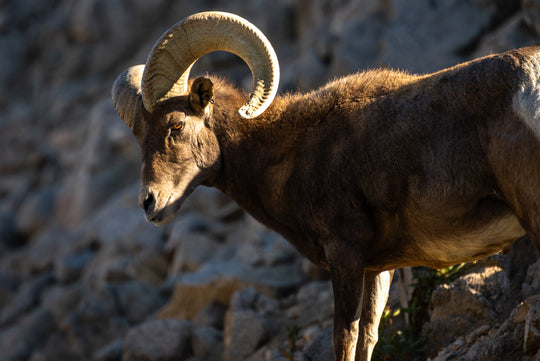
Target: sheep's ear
{"points": [[201, 94]]}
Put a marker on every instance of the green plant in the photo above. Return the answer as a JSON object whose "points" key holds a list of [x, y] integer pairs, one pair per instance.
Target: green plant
{"points": [[409, 342], [398, 345], [293, 335]]}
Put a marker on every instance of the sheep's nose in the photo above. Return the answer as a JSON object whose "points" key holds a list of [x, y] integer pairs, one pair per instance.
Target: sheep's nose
{"points": [[148, 202]]}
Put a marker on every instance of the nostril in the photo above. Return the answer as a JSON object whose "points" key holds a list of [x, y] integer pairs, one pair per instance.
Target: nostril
{"points": [[148, 202]]}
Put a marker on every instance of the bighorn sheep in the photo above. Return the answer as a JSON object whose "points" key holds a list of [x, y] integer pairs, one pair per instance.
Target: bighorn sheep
{"points": [[374, 171]]}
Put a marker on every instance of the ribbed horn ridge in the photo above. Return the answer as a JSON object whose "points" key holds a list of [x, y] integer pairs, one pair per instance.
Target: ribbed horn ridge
{"points": [[126, 94], [170, 61]]}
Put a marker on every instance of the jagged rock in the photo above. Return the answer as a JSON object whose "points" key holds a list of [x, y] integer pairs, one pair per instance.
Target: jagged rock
{"points": [[320, 348], [531, 286], [315, 304], [136, 301], [193, 250], [218, 282], [531, 14], [472, 301], [95, 322], [207, 343], [46, 248], [68, 269], [9, 236], [31, 332], [212, 315], [244, 331], [57, 347], [439, 37], [35, 211], [27, 297], [505, 342], [513, 33], [61, 301], [110, 352], [164, 340], [245, 325], [531, 338], [188, 300]]}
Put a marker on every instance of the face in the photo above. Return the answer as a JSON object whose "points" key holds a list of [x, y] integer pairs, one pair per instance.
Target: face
{"points": [[179, 152]]}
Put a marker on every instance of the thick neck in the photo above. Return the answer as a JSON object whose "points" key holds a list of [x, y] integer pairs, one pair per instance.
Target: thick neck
{"points": [[250, 148]]}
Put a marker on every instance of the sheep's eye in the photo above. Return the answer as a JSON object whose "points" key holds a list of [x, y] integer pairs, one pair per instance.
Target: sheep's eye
{"points": [[178, 126]]}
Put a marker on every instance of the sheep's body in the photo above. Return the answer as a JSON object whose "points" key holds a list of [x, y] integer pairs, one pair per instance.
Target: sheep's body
{"points": [[373, 171], [399, 165]]}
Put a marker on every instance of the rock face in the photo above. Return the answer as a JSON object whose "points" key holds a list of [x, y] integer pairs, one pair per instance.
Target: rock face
{"points": [[84, 277]]}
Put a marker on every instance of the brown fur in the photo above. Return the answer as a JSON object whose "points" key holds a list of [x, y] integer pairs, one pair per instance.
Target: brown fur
{"points": [[374, 171]]}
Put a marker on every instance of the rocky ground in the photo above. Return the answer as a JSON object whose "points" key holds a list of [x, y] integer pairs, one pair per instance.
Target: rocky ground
{"points": [[84, 277]]}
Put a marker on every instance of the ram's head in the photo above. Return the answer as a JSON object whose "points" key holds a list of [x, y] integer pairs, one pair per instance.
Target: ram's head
{"points": [[173, 117]]}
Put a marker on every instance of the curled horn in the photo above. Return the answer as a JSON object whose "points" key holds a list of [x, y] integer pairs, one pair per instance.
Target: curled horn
{"points": [[126, 94], [169, 63]]}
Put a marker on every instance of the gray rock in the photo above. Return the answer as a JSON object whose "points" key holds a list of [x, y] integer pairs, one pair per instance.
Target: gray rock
{"points": [[531, 14], [110, 352], [472, 301], [57, 347], [212, 315], [504, 342], [191, 253], [61, 301], [450, 26], [8, 232], [217, 282], [207, 343], [251, 318], [95, 322], [35, 211], [26, 298], [48, 246], [320, 349], [164, 340], [271, 281], [244, 331], [136, 301], [31, 332], [531, 286], [531, 338], [113, 265], [68, 269]]}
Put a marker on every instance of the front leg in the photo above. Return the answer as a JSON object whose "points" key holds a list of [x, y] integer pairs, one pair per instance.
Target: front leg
{"points": [[347, 274], [376, 288]]}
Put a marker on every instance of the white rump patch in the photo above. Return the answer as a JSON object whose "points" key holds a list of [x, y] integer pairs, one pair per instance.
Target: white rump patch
{"points": [[526, 102]]}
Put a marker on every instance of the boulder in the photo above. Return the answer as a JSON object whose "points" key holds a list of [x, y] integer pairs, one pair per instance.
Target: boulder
{"points": [[216, 283], [96, 320], [207, 343], [164, 340], [472, 301], [136, 301], [27, 297], [508, 341], [247, 323], [18, 341]]}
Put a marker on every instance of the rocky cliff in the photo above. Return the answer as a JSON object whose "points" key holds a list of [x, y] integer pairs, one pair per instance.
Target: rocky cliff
{"points": [[84, 277]]}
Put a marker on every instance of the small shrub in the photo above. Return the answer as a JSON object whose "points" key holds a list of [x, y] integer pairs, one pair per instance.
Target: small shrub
{"points": [[293, 335], [409, 342]]}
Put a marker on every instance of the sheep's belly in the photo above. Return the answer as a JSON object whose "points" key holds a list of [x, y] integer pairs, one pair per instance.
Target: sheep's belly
{"points": [[442, 251]]}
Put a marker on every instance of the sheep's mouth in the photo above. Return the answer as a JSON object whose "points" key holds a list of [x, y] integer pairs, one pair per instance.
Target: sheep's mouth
{"points": [[159, 218], [166, 214]]}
